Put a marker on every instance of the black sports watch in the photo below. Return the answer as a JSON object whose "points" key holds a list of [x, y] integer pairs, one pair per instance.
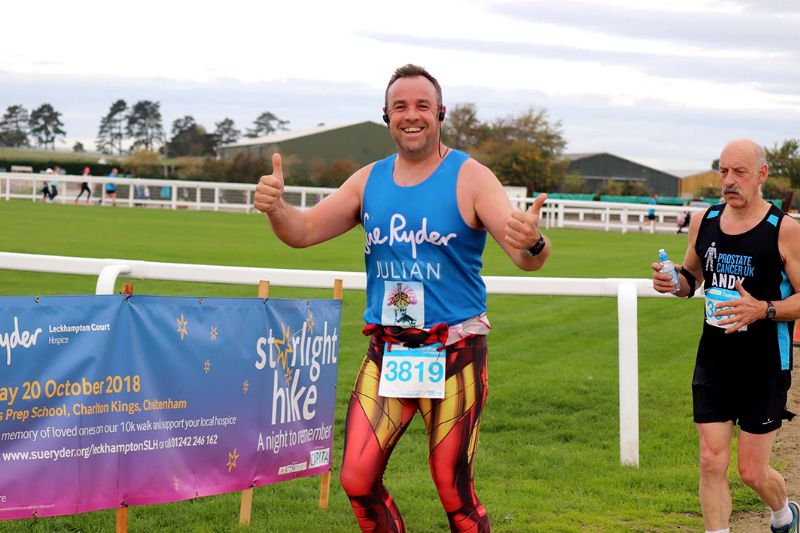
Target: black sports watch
{"points": [[537, 248], [770, 314]]}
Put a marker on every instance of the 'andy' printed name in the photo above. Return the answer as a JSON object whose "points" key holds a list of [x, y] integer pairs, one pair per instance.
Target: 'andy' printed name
{"points": [[398, 233]]}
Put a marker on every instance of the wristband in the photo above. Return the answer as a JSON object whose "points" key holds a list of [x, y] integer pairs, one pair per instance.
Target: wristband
{"points": [[690, 279], [537, 248]]}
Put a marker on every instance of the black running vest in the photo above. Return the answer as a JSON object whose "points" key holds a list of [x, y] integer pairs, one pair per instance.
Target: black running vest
{"points": [[753, 258]]}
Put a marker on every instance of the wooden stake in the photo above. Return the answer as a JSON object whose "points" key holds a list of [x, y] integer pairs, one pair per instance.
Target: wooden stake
{"points": [[122, 520], [325, 477], [337, 289], [263, 289], [122, 512], [246, 506]]}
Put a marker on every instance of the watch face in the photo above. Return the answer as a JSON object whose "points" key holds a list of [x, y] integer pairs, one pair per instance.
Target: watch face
{"points": [[770, 312]]}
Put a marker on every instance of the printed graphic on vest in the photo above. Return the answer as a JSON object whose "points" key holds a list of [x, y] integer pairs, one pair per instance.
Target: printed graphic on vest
{"points": [[727, 269], [403, 304]]}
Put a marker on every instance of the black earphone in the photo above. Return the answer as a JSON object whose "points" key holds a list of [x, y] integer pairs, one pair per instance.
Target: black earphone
{"points": [[440, 116]]}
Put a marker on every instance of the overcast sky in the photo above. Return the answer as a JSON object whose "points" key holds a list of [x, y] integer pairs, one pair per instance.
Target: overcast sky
{"points": [[665, 84]]}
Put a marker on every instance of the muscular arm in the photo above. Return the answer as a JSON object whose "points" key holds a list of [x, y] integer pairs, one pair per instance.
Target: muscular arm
{"points": [[789, 246], [334, 215], [483, 203], [691, 262]]}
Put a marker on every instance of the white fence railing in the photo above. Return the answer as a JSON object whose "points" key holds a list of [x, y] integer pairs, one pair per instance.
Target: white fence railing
{"points": [[135, 192], [625, 290], [216, 196]]}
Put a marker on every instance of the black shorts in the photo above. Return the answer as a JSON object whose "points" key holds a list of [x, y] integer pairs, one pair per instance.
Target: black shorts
{"points": [[744, 389], [651, 217]]}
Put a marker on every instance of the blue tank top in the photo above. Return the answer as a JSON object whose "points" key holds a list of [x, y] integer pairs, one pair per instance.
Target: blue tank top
{"points": [[423, 261]]}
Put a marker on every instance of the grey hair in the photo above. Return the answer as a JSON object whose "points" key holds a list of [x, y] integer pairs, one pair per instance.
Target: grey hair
{"points": [[761, 156]]}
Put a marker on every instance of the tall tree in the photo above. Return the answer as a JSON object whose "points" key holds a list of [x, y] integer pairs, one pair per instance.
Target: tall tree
{"points": [[45, 125], [14, 127], [462, 128], [784, 161], [526, 149], [111, 134], [189, 139], [226, 132], [144, 125], [180, 125], [265, 124]]}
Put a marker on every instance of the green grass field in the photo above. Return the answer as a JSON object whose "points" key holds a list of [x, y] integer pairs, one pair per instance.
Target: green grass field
{"points": [[549, 448]]}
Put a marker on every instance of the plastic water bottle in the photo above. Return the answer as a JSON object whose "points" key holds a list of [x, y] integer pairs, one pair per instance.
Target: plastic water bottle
{"points": [[668, 267]]}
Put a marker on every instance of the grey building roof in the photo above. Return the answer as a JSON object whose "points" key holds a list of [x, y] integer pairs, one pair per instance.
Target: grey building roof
{"points": [[282, 136]]}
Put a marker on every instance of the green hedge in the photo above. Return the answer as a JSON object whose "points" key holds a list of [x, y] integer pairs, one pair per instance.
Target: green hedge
{"points": [[69, 167]]}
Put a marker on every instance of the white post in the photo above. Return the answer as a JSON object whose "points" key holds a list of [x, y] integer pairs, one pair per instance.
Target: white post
{"points": [[216, 198], [628, 375], [624, 220], [108, 278], [560, 215]]}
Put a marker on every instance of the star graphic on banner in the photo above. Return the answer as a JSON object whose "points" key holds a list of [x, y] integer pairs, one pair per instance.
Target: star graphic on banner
{"points": [[310, 322], [182, 326], [232, 457], [175, 482], [207, 366], [283, 354], [214, 333], [245, 386]]}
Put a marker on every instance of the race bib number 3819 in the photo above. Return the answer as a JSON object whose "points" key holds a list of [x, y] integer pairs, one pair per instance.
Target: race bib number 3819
{"points": [[412, 372]]}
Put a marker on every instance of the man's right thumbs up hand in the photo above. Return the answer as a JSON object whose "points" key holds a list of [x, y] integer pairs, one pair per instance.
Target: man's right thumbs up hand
{"points": [[270, 188]]}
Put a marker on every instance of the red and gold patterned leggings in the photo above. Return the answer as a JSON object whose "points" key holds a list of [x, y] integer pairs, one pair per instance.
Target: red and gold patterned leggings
{"points": [[375, 424]]}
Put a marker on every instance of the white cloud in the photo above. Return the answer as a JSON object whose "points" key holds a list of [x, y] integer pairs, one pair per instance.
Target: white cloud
{"points": [[665, 84]]}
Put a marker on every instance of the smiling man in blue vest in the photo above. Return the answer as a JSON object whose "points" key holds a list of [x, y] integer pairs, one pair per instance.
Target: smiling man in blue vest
{"points": [[425, 211]]}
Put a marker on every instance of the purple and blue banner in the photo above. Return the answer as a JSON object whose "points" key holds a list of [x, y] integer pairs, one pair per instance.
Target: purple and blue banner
{"points": [[130, 400]]}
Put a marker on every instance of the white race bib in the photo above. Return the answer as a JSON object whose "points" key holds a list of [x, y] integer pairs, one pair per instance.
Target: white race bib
{"points": [[412, 372], [715, 300]]}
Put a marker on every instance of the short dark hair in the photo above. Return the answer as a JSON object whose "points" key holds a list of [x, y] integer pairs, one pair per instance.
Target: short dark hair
{"points": [[411, 71]]}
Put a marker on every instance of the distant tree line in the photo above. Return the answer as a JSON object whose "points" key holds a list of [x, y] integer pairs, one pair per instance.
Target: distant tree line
{"points": [[127, 129], [525, 149], [43, 125], [139, 127]]}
